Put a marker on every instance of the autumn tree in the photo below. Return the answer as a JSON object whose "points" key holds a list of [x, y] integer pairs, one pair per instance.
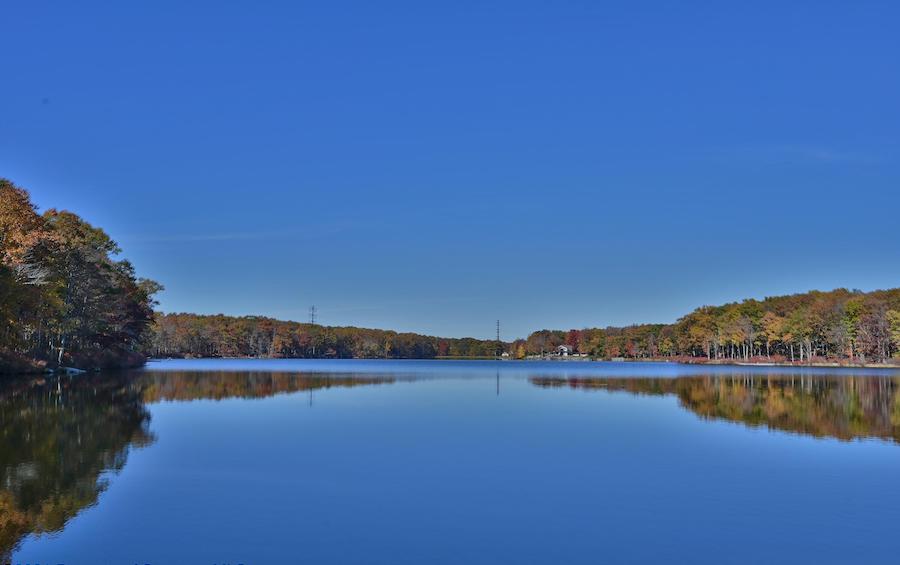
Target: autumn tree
{"points": [[64, 297]]}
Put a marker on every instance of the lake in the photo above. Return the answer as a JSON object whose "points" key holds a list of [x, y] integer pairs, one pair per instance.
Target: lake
{"points": [[292, 461]]}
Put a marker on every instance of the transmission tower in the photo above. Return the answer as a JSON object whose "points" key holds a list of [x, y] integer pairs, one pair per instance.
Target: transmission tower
{"points": [[312, 314]]}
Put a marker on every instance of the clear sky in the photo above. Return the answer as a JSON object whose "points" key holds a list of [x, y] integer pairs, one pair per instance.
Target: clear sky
{"points": [[434, 166]]}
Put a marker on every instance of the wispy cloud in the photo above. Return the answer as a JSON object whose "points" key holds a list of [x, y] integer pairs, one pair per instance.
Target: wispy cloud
{"points": [[796, 152], [187, 238], [823, 154], [294, 234]]}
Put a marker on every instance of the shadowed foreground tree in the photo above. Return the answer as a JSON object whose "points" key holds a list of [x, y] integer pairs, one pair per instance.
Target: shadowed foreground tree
{"points": [[64, 298]]}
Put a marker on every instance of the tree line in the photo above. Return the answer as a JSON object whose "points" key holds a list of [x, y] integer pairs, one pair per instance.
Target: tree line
{"points": [[65, 299], [835, 326], [192, 335]]}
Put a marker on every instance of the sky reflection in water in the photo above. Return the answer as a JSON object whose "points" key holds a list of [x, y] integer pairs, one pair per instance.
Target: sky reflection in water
{"points": [[410, 462]]}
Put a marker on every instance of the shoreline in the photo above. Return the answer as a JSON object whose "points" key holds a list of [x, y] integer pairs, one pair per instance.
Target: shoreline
{"points": [[44, 371], [715, 363]]}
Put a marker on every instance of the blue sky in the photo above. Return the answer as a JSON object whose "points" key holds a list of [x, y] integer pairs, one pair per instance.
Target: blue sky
{"points": [[434, 166]]}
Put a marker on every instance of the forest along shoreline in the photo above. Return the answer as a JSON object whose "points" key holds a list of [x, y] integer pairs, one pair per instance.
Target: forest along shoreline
{"points": [[835, 328], [68, 301]]}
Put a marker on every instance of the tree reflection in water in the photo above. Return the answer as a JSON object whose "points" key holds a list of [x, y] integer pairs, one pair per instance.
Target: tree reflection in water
{"points": [[220, 385], [845, 408], [58, 440], [61, 438]]}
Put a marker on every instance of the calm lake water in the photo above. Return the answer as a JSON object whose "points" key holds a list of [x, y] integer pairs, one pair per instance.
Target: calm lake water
{"points": [[256, 462]]}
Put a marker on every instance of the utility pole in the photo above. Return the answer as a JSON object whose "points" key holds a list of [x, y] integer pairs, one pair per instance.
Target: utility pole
{"points": [[312, 322]]}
